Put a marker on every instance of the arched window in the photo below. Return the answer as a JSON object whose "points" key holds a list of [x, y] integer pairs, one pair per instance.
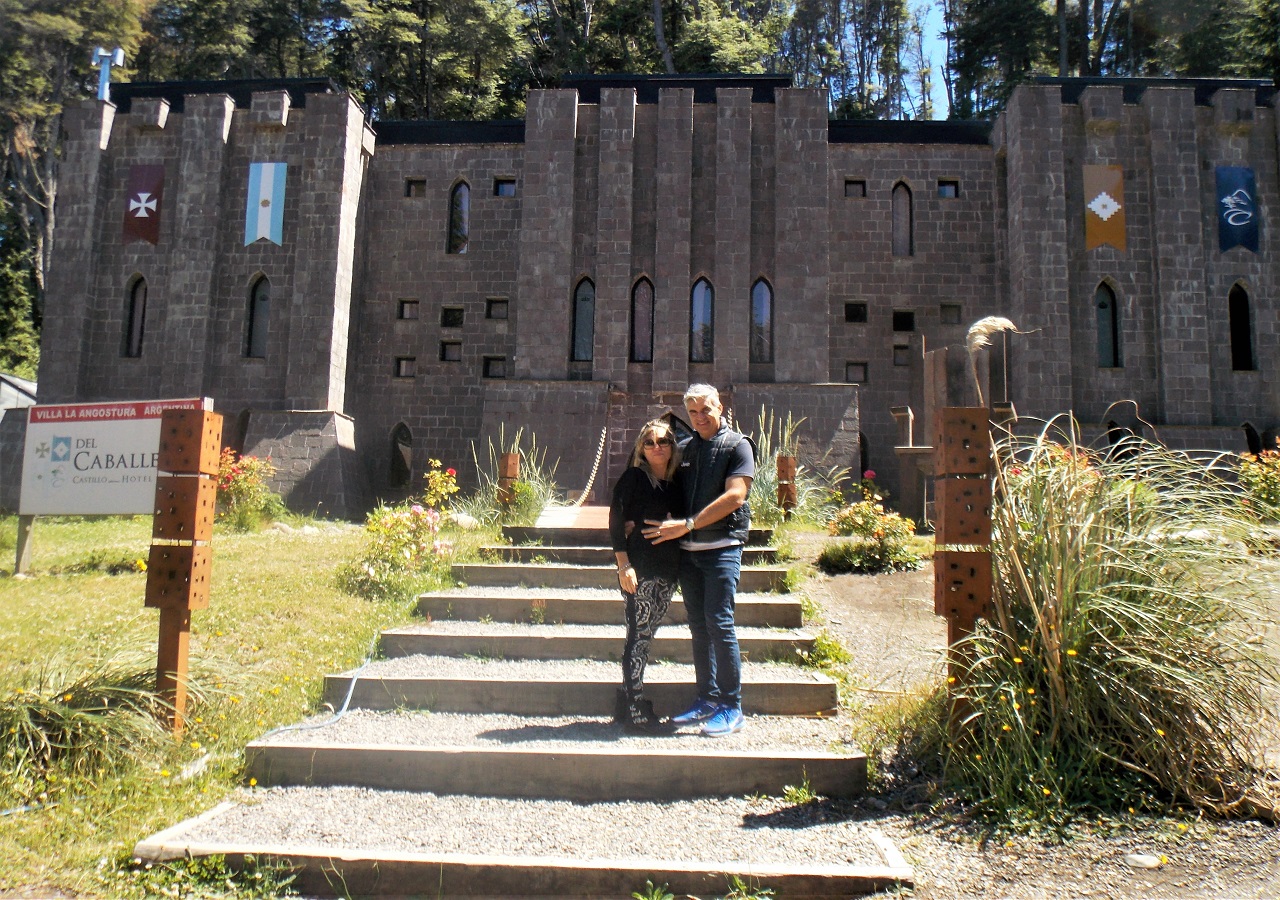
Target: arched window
{"points": [[459, 217], [400, 471], [584, 321], [642, 321], [136, 324], [1241, 323], [255, 344], [904, 241], [761, 322], [701, 321], [1108, 319], [864, 456]]}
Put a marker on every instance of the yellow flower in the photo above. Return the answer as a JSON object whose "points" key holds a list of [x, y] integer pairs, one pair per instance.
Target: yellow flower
{"points": [[1160, 731], [66, 698], [1018, 660], [1006, 728], [1071, 653], [164, 773], [195, 745], [1047, 792], [253, 782], [1017, 706], [951, 679], [1031, 690]]}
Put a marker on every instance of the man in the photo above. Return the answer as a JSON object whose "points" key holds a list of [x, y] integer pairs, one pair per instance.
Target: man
{"points": [[716, 471]]}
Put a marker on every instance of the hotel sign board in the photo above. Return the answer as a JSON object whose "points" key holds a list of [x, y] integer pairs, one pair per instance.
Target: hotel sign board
{"points": [[94, 458]]}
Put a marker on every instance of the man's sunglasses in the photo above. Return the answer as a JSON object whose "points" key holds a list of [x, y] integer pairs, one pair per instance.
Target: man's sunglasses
{"points": [[660, 442]]}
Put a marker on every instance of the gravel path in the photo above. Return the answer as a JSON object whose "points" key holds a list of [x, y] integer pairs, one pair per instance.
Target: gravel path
{"points": [[416, 728], [490, 629], [422, 666], [758, 830]]}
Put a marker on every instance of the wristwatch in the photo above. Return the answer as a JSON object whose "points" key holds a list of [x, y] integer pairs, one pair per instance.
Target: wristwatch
{"points": [[688, 523]]}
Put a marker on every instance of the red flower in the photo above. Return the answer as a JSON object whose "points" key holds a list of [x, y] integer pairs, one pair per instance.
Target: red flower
{"points": [[451, 472]]}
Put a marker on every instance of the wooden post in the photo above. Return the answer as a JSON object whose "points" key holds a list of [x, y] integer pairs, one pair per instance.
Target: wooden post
{"points": [[508, 474], [962, 513], [22, 560], [181, 559], [786, 484]]}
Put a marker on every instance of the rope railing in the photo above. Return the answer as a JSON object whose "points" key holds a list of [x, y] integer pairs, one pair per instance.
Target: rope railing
{"points": [[595, 468]]}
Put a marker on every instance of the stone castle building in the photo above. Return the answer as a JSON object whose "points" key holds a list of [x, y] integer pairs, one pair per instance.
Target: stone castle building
{"points": [[430, 284]]}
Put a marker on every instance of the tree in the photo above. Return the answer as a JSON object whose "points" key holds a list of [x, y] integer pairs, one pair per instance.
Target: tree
{"points": [[19, 330], [188, 39], [997, 45]]}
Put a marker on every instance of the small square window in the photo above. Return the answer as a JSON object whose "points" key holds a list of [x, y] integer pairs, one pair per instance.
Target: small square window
{"points": [[451, 317], [415, 187], [495, 308], [951, 313], [904, 320], [504, 187], [408, 309], [451, 351], [948, 189], [855, 372], [855, 312], [901, 354], [855, 187], [495, 367], [406, 366]]}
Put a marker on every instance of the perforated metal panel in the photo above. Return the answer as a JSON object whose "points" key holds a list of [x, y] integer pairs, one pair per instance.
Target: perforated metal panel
{"points": [[962, 510], [962, 441], [962, 584], [190, 441], [178, 576], [185, 506]]}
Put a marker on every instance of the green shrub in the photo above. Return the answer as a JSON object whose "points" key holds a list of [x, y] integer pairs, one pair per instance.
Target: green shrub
{"points": [[245, 501], [882, 538], [199, 878], [402, 555], [1259, 475], [108, 562], [1120, 659]]}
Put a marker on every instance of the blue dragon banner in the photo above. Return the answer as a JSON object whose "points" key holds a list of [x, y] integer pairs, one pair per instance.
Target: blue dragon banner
{"points": [[1238, 224]]}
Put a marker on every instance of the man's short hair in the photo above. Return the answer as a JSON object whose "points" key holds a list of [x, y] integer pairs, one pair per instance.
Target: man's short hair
{"points": [[700, 392]]}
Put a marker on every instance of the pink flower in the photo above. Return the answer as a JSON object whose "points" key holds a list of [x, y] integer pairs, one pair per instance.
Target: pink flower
{"points": [[870, 474], [417, 509]]}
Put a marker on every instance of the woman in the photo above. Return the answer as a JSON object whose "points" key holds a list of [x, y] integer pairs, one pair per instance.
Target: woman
{"points": [[646, 572]]}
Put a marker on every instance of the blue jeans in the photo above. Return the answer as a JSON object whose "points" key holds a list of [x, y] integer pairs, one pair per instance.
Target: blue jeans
{"points": [[708, 582]]}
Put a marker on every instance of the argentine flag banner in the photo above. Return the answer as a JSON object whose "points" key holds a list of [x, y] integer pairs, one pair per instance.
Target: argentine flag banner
{"points": [[264, 211]]}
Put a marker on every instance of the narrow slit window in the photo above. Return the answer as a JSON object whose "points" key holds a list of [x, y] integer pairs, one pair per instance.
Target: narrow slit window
{"points": [[701, 322], [407, 309], [400, 469], [259, 307], [855, 187], [1240, 322], [761, 322], [1108, 318], [584, 321], [504, 187], [406, 366], [948, 189], [496, 308], [903, 221], [415, 187], [136, 325], [855, 313], [459, 217], [642, 321]]}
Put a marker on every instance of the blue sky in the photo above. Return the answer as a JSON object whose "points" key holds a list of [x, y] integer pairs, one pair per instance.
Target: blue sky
{"points": [[936, 49]]}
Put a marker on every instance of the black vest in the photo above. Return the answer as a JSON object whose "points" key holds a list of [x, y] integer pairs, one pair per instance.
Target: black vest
{"points": [[703, 471]]}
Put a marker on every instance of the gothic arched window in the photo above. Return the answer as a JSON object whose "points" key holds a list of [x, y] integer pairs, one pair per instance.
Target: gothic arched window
{"points": [[701, 321], [584, 321], [1240, 320], [761, 322], [904, 240], [1108, 318], [642, 321], [136, 323], [259, 305], [459, 217], [400, 471]]}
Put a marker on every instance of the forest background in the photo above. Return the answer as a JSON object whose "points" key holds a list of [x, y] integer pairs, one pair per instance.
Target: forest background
{"points": [[476, 59]]}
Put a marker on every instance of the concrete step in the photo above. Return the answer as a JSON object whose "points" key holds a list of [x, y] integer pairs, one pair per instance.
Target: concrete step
{"points": [[754, 580], [590, 554], [585, 687], [570, 535], [568, 758], [592, 607], [501, 641], [356, 842]]}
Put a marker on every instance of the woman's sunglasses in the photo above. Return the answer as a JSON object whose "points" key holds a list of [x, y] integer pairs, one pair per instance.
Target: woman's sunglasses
{"points": [[660, 442]]}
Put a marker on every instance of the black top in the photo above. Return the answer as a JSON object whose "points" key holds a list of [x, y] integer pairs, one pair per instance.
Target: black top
{"points": [[635, 499]]}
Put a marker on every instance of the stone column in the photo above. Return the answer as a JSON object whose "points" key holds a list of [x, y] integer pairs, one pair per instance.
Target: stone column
{"points": [[1182, 332], [69, 289], [733, 276], [802, 336], [542, 304], [1039, 290], [613, 241], [675, 210]]}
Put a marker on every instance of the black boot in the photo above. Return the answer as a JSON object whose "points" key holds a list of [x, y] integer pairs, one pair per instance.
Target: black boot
{"points": [[641, 719], [620, 704]]}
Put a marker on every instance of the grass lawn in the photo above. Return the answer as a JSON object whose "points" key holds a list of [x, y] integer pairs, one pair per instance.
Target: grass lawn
{"points": [[277, 623]]}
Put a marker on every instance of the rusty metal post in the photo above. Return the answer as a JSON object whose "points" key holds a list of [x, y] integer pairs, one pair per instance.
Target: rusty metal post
{"points": [[181, 559], [508, 474], [787, 484], [962, 494]]}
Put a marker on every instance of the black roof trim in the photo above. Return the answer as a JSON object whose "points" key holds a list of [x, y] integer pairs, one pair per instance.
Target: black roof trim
{"points": [[876, 131], [407, 131], [241, 90], [647, 86], [1205, 88]]}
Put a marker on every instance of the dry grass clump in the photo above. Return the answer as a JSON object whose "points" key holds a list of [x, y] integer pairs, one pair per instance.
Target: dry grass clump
{"points": [[1122, 661]]}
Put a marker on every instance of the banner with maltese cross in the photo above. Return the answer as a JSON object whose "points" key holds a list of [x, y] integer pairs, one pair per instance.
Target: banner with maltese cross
{"points": [[1237, 208], [264, 211], [143, 192], [1104, 207]]}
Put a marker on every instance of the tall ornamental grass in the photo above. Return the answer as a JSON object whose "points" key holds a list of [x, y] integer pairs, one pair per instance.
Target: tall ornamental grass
{"points": [[1123, 659], [818, 492], [533, 491]]}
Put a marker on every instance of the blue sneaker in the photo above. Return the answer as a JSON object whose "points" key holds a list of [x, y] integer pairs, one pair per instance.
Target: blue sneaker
{"points": [[727, 720], [699, 712]]}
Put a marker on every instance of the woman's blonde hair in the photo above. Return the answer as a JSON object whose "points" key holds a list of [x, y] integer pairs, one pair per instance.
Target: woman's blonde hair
{"points": [[637, 452]]}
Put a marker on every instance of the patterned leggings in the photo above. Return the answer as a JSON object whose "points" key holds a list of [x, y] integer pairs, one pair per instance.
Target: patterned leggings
{"points": [[645, 609]]}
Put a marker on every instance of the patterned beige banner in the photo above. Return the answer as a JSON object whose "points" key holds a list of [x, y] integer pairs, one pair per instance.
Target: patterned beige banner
{"points": [[1104, 207]]}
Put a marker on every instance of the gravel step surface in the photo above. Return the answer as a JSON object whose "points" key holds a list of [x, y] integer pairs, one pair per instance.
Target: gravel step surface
{"points": [[758, 830], [493, 629], [427, 666], [480, 590], [417, 728]]}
